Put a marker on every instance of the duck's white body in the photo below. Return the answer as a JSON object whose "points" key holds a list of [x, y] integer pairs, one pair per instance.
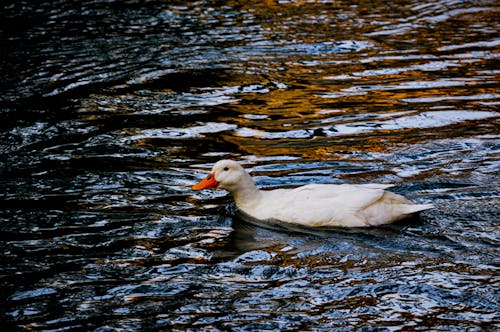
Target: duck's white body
{"points": [[312, 205]]}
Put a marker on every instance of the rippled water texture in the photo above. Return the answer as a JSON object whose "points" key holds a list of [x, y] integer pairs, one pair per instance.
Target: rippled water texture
{"points": [[111, 110]]}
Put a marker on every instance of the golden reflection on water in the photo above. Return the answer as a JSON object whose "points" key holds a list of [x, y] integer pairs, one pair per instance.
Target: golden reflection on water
{"points": [[319, 80]]}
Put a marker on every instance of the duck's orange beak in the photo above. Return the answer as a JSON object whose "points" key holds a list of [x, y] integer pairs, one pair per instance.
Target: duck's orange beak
{"points": [[206, 183]]}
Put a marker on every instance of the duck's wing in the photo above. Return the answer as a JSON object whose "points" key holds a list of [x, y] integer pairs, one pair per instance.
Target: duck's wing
{"points": [[333, 205], [374, 185], [340, 197]]}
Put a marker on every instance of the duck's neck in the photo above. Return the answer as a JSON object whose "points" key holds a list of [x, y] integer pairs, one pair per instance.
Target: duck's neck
{"points": [[246, 193]]}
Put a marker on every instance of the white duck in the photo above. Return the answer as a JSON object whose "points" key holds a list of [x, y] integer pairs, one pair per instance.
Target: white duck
{"points": [[345, 205]]}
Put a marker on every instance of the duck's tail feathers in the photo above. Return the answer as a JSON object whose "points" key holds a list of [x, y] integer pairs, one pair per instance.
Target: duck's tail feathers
{"points": [[419, 207]]}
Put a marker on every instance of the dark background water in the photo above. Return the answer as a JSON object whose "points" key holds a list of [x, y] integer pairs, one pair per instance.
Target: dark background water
{"points": [[111, 110]]}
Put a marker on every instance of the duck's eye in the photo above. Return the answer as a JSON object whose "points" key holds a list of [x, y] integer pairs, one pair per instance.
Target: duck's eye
{"points": [[226, 168]]}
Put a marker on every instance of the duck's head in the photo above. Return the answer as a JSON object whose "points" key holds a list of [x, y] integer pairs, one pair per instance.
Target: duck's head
{"points": [[225, 174]]}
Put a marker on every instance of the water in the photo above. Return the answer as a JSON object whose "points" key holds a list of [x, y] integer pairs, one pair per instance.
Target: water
{"points": [[111, 110]]}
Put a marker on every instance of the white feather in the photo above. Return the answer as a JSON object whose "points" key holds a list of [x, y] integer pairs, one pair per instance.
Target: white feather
{"points": [[315, 204]]}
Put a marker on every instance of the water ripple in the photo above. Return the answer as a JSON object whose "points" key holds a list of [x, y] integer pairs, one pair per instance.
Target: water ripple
{"points": [[113, 110]]}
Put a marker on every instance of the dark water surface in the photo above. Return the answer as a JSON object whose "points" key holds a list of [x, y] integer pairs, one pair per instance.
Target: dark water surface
{"points": [[111, 110]]}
